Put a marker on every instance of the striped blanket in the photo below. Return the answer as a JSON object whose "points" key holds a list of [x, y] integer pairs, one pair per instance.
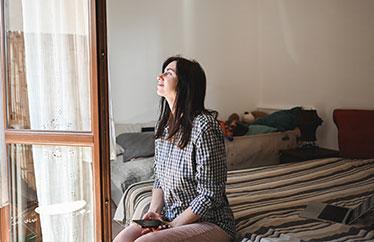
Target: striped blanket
{"points": [[267, 201]]}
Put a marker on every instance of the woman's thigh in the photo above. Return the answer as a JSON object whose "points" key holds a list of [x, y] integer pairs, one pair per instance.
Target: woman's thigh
{"points": [[196, 232], [129, 234]]}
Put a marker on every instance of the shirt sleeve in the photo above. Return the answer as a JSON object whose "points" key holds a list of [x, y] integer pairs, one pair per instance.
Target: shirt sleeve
{"points": [[156, 183], [211, 171]]}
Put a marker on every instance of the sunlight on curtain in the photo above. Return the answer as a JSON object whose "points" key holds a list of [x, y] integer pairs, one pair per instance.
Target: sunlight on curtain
{"points": [[56, 36], [57, 64]]}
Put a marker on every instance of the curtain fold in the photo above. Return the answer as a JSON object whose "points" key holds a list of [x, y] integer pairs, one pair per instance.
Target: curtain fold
{"points": [[58, 74], [18, 107]]}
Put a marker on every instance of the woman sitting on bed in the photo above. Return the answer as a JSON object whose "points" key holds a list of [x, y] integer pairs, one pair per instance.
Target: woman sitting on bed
{"points": [[190, 164]]}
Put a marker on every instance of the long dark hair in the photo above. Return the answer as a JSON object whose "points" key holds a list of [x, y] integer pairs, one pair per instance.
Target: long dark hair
{"points": [[189, 101]]}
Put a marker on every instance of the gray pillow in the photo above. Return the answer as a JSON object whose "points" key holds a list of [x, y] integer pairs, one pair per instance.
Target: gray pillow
{"points": [[136, 145]]}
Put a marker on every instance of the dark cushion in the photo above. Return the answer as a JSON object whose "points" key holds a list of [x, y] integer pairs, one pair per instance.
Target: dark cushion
{"points": [[281, 120], [136, 145], [240, 129], [355, 132]]}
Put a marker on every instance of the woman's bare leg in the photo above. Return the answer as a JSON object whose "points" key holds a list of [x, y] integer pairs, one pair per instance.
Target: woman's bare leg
{"points": [[129, 234]]}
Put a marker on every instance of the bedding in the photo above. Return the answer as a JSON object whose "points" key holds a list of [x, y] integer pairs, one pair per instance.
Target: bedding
{"points": [[123, 174], [263, 151], [281, 120], [260, 129], [267, 201]]}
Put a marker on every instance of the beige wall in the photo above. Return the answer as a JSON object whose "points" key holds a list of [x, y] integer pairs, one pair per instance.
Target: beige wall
{"points": [[220, 34], [317, 53]]}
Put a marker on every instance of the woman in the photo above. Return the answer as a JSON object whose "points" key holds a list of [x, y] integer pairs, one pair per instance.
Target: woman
{"points": [[190, 164]]}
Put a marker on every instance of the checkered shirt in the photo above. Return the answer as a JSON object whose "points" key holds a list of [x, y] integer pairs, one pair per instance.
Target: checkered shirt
{"points": [[195, 176]]}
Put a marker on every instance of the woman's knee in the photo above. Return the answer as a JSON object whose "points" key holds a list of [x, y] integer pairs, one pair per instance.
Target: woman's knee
{"points": [[147, 238], [129, 234], [142, 239]]}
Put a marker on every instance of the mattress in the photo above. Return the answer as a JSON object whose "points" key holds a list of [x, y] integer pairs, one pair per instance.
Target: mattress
{"points": [[258, 150], [267, 201]]}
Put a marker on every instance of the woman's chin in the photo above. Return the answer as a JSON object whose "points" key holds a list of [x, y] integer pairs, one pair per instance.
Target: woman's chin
{"points": [[159, 93]]}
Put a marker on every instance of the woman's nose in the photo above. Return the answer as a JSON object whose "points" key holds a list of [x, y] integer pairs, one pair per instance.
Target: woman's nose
{"points": [[160, 77]]}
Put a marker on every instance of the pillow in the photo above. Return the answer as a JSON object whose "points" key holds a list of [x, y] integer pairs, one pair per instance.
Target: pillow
{"points": [[136, 145], [281, 120], [260, 129], [355, 132], [119, 150]]}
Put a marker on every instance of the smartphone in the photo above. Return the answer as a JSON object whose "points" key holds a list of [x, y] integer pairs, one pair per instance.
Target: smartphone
{"points": [[149, 223]]}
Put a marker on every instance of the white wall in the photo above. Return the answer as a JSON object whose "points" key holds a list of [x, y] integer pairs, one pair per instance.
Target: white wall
{"points": [[221, 35], [317, 53], [269, 53]]}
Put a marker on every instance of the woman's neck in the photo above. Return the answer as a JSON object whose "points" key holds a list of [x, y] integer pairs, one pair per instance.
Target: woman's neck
{"points": [[170, 101]]}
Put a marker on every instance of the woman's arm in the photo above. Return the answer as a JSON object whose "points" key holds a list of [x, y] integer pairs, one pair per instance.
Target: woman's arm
{"points": [[157, 202], [211, 174], [187, 217], [155, 208]]}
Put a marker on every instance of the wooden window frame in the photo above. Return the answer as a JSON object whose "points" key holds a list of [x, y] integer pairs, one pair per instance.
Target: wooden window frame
{"points": [[98, 138]]}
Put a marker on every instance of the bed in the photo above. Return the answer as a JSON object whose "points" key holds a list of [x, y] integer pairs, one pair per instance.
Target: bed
{"points": [[267, 201], [264, 150], [124, 170], [248, 151]]}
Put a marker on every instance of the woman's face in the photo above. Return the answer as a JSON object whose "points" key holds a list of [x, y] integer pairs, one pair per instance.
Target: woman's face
{"points": [[167, 82]]}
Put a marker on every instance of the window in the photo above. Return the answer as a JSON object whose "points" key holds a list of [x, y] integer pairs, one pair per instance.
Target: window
{"points": [[50, 75]]}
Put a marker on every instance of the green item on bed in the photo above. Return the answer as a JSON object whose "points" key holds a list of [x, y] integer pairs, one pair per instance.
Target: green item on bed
{"points": [[282, 120], [260, 129]]}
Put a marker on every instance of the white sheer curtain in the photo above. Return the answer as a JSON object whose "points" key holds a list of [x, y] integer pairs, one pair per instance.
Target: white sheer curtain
{"points": [[58, 74], [3, 169]]}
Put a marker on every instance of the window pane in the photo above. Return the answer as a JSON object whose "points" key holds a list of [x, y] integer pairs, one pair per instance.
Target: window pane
{"points": [[48, 65], [51, 193]]}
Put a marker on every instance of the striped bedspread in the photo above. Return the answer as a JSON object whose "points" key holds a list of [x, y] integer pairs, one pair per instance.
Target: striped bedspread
{"points": [[267, 201]]}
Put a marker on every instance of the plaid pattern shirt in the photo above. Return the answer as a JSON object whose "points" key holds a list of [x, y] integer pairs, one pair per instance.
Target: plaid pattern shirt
{"points": [[195, 176]]}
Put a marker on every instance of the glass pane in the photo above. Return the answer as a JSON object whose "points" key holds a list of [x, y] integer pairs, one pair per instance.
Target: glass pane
{"points": [[51, 193], [48, 65]]}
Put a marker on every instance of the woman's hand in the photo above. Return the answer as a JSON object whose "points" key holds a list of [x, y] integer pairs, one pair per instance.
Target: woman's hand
{"points": [[152, 215], [157, 216]]}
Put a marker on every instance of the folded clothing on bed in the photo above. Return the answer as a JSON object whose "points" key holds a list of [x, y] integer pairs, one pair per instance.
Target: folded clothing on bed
{"points": [[281, 120]]}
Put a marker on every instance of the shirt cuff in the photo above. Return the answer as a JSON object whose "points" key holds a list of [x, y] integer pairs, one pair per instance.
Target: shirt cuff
{"points": [[156, 184], [200, 205]]}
